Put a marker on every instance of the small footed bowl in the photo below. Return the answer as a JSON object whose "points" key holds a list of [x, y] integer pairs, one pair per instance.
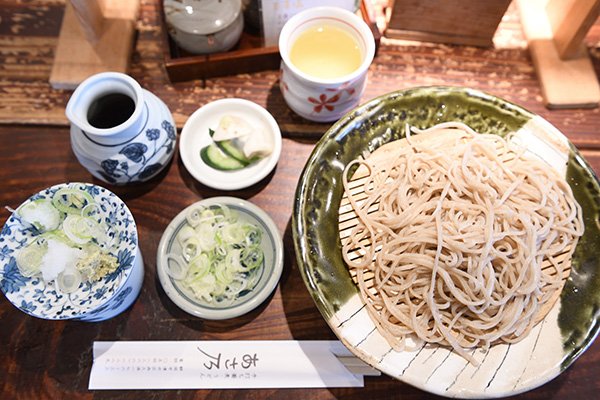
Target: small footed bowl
{"points": [[92, 301], [271, 245], [203, 27]]}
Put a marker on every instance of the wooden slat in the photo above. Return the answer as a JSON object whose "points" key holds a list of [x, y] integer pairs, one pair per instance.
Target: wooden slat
{"points": [[570, 21], [90, 18], [90, 43], [444, 20], [565, 83]]}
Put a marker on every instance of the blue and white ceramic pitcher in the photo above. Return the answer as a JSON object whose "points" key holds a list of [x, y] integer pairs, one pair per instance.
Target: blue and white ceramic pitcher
{"points": [[120, 132]]}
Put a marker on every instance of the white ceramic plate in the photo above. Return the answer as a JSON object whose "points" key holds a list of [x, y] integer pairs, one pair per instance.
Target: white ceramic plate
{"points": [[195, 136], [271, 245]]}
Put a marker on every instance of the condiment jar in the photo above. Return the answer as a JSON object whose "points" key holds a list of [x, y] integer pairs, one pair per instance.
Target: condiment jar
{"points": [[120, 132], [204, 26]]}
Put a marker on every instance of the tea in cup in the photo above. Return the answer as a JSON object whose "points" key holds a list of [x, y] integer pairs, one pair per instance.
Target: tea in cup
{"points": [[326, 53]]}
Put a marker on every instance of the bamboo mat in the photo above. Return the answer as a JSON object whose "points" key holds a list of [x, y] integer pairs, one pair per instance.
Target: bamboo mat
{"points": [[361, 179]]}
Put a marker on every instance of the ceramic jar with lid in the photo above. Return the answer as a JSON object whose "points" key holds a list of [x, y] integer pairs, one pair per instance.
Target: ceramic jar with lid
{"points": [[204, 26]]}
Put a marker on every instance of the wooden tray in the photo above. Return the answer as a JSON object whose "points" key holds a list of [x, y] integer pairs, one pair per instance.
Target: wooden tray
{"points": [[249, 55]]}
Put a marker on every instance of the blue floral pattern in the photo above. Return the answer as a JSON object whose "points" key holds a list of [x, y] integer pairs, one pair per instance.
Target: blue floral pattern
{"points": [[134, 151], [41, 299], [152, 134], [12, 280], [120, 297], [138, 157]]}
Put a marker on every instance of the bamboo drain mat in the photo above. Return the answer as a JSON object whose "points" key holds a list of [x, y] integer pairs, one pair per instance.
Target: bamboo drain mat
{"points": [[348, 220]]}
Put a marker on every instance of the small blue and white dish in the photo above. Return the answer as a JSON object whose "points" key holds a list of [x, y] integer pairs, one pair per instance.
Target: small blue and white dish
{"points": [[92, 301]]}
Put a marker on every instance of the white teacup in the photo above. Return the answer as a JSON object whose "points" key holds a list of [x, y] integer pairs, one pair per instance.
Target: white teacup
{"points": [[318, 98]]}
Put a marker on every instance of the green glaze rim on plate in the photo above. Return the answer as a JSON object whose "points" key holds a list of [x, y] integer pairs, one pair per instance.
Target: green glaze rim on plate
{"points": [[318, 194]]}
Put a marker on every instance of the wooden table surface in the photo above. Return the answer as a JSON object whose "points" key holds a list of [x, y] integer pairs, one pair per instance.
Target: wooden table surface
{"points": [[47, 359]]}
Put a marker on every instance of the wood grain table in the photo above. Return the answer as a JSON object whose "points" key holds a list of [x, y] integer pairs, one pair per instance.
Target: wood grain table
{"points": [[52, 359]]}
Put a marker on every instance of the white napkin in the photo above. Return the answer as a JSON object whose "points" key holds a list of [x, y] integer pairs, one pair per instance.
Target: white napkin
{"points": [[225, 365]]}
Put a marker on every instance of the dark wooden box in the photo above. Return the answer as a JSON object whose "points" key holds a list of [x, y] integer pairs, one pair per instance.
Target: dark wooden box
{"points": [[469, 22], [249, 55]]}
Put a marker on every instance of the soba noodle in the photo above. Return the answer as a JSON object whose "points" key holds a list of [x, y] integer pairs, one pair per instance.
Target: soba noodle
{"points": [[461, 240]]}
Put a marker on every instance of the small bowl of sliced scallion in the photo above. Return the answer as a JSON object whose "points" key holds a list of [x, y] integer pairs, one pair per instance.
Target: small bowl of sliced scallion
{"points": [[220, 258]]}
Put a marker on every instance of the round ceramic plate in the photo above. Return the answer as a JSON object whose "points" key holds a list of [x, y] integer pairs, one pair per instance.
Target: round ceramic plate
{"points": [[271, 245], [504, 369], [41, 299], [195, 136]]}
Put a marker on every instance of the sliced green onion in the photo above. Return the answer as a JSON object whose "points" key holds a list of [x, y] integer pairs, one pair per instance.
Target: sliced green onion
{"points": [[199, 266], [233, 258], [204, 286], [252, 257], [57, 235], [224, 273], [69, 280], [206, 234], [191, 248], [176, 266], [90, 210], [29, 258], [253, 235], [72, 246], [40, 213], [194, 216], [185, 233], [71, 201], [222, 255], [231, 234], [80, 229]]}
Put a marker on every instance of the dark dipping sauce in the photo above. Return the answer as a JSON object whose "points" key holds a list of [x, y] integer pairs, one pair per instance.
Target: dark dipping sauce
{"points": [[110, 110]]}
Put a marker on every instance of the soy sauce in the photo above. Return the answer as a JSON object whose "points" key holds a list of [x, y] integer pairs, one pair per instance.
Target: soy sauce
{"points": [[110, 110]]}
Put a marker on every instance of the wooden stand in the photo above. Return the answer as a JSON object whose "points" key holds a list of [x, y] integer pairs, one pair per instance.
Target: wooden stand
{"points": [[95, 36], [555, 30]]}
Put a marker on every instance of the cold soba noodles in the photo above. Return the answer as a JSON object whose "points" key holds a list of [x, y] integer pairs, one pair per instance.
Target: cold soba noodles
{"points": [[460, 238]]}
